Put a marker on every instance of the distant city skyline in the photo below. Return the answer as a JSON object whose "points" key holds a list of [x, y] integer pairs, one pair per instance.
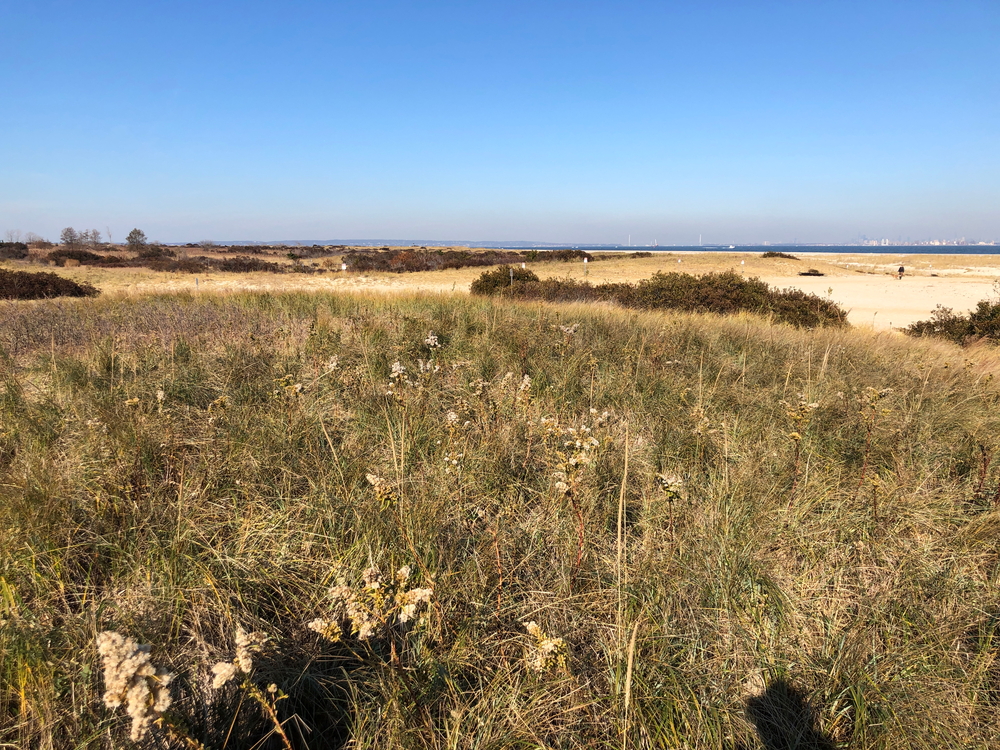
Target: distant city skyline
{"points": [[553, 122]]}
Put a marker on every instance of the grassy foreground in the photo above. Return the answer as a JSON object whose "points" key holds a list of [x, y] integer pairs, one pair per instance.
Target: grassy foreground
{"points": [[640, 530]]}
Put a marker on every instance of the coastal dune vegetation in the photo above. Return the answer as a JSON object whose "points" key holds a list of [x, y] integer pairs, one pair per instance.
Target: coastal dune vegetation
{"points": [[316, 520]]}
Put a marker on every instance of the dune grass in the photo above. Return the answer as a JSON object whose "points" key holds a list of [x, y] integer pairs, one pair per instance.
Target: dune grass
{"points": [[639, 529]]}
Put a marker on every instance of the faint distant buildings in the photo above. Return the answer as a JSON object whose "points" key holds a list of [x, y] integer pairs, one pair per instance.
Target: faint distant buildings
{"points": [[885, 241]]}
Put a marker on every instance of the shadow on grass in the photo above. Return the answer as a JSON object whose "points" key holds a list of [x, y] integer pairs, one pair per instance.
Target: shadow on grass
{"points": [[785, 720]]}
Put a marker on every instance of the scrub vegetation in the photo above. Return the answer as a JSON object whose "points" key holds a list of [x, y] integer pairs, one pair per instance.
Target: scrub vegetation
{"points": [[42, 285], [980, 324], [309, 520], [723, 292]]}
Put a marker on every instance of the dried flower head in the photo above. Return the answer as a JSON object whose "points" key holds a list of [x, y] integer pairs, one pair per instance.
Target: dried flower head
{"points": [[222, 673], [247, 643], [371, 608], [409, 602], [432, 340], [131, 679], [328, 629], [546, 652]]}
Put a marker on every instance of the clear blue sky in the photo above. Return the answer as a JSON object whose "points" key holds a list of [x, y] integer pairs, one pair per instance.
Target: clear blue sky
{"points": [[552, 121]]}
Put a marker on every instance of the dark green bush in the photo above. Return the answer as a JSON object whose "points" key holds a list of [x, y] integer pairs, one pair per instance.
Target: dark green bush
{"points": [[981, 323], [721, 293], [776, 254], [13, 250], [25, 285], [502, 279], [157, 252], [243, 264], [85, 257], [180, 265], [565, 256], [408, 260], [811, 272]]}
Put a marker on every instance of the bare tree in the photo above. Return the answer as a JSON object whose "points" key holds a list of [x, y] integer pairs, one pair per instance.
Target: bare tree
{"points": [[13, 235], [69, 237], [90, 237]]}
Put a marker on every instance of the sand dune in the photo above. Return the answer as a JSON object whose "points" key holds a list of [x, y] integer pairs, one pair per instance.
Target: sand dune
{"points": [[863, 284]]}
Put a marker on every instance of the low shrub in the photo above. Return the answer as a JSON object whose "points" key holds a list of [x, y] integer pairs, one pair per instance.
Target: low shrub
{"points": [[981, 323], [41, 285], [13, 250], [179, 265], [811, 272], [776, 254], [244, 264], [502, 279], [565, 256], [157, 252], [721, 293], [408, 260], [85, 257]]}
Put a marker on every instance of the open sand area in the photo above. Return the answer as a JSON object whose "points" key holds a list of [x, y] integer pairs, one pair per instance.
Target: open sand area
{"points": [[864, 284]]}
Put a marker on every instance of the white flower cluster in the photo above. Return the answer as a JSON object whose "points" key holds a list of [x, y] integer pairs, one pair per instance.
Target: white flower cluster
{"points": [[574, 448], [372, 607], [383, 489], [561, 485], [398, 376], [453, 462], [570, 330], [432, 340], [131, 679], [546, 652], [246, 644]]}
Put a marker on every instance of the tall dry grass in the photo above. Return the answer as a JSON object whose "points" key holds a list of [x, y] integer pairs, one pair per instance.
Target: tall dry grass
{"points": [[727, 534]]}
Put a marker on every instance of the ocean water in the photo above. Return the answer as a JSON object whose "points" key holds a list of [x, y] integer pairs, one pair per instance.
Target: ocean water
{"points": [[792, 249]]}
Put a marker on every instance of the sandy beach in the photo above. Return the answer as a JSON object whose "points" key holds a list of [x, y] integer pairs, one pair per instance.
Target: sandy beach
{"points": [[864, 284]]}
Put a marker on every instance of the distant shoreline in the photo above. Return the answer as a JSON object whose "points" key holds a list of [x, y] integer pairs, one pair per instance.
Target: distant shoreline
{"points": [[977, 249]]}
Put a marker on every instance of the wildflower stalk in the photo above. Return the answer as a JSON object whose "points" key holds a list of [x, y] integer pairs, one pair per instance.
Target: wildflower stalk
{"points": [[268, 707], [628, 684], [870, 414], [621, 530], [985, 459], [580, 533], [499, 561]]}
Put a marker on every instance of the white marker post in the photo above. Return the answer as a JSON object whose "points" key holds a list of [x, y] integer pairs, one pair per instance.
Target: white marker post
{"points": [[585, 270], [343, 266]]}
